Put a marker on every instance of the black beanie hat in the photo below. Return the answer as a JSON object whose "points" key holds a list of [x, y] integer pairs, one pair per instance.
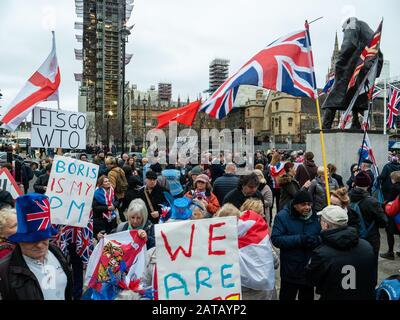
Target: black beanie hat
{"points": [[302, 197], [362, 179]]}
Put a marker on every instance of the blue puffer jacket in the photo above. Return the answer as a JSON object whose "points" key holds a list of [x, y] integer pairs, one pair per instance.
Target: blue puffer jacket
{"points": [[286, 235]]}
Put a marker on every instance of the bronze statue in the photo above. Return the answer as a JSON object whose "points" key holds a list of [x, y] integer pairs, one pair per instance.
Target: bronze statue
{"points": [[357, 35]]}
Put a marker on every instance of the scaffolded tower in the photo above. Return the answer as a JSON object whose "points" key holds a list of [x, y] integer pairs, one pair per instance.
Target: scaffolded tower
{"points": [[219, 70], [104, 58], [165, 92]]}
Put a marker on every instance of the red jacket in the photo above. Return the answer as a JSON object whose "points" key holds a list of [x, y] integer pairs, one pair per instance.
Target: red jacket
{"points": [[392, 209], [213, 204]]}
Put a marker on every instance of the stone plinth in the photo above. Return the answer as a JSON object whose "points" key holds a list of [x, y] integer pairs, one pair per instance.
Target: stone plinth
{"points": [[342, 147]]}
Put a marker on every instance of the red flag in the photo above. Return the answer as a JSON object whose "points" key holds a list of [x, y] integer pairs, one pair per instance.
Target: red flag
{"points": [[184, 115]]}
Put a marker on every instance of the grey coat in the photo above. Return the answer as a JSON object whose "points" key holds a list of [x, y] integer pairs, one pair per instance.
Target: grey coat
{"points": [[318, 193]]}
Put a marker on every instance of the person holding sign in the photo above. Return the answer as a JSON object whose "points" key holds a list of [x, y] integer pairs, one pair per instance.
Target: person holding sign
{"points": [[104, 208], [137, 220]]}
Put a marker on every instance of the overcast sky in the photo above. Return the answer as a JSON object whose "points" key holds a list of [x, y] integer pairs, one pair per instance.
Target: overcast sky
{"points": [[175, 40]]}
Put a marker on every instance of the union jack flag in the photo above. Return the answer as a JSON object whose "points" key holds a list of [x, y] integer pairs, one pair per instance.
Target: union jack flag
{"points": [[43, 215], [367, 153], [81, 237], [376, 92], [369, 53], [393, 106], [285, 65], [329, 84], [84, 242]]}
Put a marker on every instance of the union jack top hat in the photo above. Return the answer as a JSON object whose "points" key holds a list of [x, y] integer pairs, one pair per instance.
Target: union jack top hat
{"points": [[33, 218]]}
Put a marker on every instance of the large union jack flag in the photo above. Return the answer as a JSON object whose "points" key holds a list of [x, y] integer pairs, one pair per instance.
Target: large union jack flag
{"points": [[42, 214], [285, 65], [393, 106]]}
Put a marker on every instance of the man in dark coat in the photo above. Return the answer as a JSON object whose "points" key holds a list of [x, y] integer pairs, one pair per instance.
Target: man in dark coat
{"points": [[228, 182], [246, 188], [153, 196], [357, 35], [40, 185], [328, 268], [371, 211], [384, 177], [296, 232]]}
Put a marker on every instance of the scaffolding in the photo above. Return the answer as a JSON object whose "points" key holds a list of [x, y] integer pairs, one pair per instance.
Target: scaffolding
{"points": [[218, 71]]}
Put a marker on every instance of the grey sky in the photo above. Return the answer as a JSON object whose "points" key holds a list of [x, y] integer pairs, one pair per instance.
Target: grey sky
{"points": [[174, 40]]}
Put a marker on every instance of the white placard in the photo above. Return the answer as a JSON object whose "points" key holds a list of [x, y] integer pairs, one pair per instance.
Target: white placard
{"points": [[58, 129], [70, 190], [198, 260]]}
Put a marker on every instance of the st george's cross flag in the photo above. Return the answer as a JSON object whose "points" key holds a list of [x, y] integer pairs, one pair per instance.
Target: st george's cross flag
{"points": [[255, 252], [41, 86]]}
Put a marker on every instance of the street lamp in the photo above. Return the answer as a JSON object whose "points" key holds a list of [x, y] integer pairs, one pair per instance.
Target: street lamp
{"points": [[109, 115], [144, 120], [124, 35]]}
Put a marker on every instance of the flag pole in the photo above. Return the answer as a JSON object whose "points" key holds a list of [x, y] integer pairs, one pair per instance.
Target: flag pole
{"points": [[384, 106], [321, 133]]}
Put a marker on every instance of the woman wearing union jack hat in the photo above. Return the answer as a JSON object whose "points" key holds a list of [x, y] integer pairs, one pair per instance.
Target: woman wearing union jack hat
{"points": [[35, 270]]}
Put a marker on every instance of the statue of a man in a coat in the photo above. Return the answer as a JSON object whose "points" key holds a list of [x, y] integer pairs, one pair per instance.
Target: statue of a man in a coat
{"points": [[357, 35]]}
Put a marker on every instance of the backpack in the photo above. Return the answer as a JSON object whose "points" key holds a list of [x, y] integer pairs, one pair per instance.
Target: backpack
{"points": [[122, 186], [362, 228]]}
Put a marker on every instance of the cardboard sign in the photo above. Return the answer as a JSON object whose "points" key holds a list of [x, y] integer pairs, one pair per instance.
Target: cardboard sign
{"points": [[8, 183], [198, 260], [70, 190], [58, 129]]}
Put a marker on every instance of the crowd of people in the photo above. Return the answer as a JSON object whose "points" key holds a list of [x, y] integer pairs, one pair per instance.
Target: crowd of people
{"points": [[312, 241]]}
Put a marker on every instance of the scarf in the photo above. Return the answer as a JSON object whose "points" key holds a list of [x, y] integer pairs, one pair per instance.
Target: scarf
{"points": [[106, 199]]}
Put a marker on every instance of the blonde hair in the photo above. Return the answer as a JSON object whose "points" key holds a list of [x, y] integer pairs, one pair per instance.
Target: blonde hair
{"points": [[395, 176], [259, 173], [342, 195], [253, 204], [5, 214], [259, 166], [138, 206], [320, 171], [228, 210]]}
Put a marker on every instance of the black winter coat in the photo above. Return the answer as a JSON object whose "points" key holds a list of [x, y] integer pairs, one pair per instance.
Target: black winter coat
{"points": [[237, 198], [371, 211], [40, 183], [99, 222], [17, 282], [287, 234], [326, 269], [386, 182], [132, 192], [157, 198], [223, 185]]}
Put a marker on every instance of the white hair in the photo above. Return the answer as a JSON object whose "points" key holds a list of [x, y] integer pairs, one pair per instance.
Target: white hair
{"points": [[138, 206], [6, 214]]}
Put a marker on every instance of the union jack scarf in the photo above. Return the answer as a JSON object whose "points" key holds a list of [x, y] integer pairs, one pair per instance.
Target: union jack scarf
{"points": [[276, 171], [106, 198]]}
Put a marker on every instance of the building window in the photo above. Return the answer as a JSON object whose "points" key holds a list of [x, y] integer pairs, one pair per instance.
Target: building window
{"points": [[276, 106], [290, 122]]}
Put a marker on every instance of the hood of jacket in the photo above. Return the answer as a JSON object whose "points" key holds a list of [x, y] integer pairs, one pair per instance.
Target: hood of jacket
{"points": [[343, 238], [357, 194], [309, 163]]}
